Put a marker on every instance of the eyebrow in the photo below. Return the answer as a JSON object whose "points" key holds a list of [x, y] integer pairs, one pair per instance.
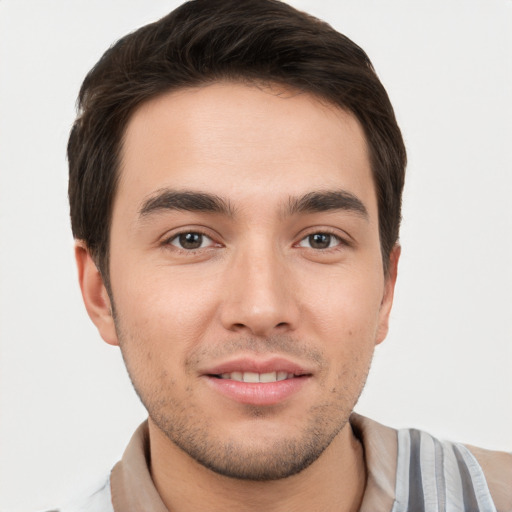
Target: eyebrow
{"points": [[312, 202], [323, 201], [166, 199]]}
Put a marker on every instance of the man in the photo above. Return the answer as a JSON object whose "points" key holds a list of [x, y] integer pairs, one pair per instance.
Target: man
{"points": [[236, 173]]}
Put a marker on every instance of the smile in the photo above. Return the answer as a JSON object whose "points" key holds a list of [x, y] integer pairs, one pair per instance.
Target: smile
{"points": [[254, 377], [258, 388]]}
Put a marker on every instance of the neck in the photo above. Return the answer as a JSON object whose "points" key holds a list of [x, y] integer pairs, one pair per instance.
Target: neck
{"points": [[334, 482]]}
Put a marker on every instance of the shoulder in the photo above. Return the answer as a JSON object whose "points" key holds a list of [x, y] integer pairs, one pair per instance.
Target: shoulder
{"points": [[96, 499], [430, 470], [416, 471], [497, 467]]}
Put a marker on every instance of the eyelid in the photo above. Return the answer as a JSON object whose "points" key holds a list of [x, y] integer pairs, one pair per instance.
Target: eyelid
{"points": [[344, 239], [175, 234]]}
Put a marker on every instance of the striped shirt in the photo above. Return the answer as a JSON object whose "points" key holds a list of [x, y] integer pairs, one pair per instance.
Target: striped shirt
{"points": [[407, 471], [440, 476]]}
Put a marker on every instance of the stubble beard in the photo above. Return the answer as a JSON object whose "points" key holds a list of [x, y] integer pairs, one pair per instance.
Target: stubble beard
{"points": [[271, 458]]}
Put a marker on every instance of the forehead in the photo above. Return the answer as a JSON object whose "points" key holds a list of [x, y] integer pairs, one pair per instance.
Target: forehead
{"points": [[243, 141]]}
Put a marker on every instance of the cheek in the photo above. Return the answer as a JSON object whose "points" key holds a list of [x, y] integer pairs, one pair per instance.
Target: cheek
{"points": [[160, 322], [346, 306], [164, 306]]}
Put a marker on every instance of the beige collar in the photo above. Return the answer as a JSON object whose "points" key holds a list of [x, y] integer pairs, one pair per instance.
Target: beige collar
{"points": [[133, 490]]}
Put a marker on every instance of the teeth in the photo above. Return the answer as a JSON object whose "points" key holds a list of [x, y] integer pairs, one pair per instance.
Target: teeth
{"points": [[268, 377], [257, 377], [251, 377]]}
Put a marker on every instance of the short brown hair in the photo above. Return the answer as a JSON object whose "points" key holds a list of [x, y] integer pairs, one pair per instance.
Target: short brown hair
{"points": [[209, 40]]}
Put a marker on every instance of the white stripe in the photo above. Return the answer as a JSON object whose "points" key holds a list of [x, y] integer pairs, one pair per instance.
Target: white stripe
{"points": [[440, 482], [428, 471], [482, 493], [402, 472], [454, 495], [100, 500]]}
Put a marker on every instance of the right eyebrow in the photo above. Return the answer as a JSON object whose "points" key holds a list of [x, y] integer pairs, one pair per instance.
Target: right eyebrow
{"points": [[328, 200], [187, 200]]}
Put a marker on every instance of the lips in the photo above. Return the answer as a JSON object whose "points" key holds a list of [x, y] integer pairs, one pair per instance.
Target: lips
{"points": [[257, 377], [248, 365], [257, 382]]}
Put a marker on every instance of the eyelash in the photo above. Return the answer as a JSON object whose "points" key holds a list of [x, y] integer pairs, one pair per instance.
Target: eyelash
{"points": [[169, 241], [340, 242]]}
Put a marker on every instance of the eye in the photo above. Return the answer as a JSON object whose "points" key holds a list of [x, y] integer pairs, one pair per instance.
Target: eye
{"points": [[320, 241], [191, 241]]}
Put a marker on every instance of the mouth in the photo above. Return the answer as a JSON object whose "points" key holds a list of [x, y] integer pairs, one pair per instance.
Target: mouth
{"points": [[256, 378], [258, 382]]}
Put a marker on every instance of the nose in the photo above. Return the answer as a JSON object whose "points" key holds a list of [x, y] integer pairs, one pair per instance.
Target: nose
{"points": [[260, 296]]}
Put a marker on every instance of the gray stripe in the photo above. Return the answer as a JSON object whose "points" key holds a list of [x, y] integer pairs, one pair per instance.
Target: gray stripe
{"points": [[440, 481], [416, 498], [482, 493], [468, 492]]}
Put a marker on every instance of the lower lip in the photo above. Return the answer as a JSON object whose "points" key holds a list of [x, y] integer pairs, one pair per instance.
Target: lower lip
{"points": [[269, 393]]}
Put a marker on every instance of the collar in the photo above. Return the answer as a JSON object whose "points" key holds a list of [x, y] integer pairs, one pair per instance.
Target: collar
{"points": [[133, 490]]}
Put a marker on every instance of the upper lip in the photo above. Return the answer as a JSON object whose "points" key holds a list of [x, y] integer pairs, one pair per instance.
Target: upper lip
{"points": [[257, 365]]}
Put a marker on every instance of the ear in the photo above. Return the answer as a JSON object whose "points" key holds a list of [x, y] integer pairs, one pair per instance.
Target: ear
{"points": [[387, 297], [94, 294]]}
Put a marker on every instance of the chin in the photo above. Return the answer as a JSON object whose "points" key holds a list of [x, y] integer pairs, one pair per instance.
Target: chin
{"points": [[271, 452]]}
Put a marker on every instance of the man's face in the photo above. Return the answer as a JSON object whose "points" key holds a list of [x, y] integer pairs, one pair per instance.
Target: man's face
{"points": [[245, 247]]}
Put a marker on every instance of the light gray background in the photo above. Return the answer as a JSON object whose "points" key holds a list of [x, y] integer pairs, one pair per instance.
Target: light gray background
{"points": [[67, 408]]}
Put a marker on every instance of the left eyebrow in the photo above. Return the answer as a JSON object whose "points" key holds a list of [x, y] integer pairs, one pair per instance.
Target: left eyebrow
{"points": [[191, 201], [323, 201]]}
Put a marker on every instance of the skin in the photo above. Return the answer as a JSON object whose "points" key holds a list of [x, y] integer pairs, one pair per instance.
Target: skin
{"points": [[259, 286]]}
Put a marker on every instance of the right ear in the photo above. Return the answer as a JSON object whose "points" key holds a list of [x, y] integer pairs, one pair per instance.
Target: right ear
{"points": [[96, 299]]}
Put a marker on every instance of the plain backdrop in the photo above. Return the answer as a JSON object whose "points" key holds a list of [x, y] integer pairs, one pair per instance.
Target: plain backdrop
{"points": [[67, 408]]}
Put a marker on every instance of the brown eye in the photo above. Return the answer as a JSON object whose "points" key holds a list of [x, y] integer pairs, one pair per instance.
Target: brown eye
{"points": [[320, 241], [190, 241]]}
